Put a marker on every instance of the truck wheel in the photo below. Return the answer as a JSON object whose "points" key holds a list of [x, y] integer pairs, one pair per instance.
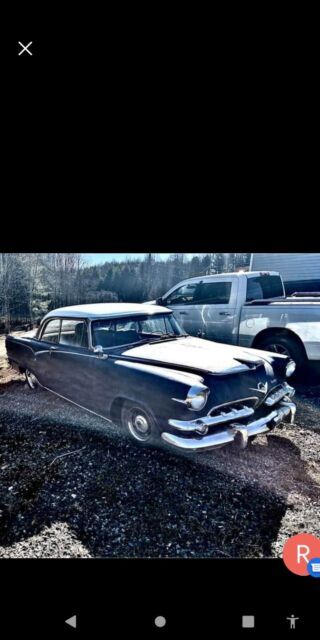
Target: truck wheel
{"points": [[139, 424], [284, 346], [32, 381]]}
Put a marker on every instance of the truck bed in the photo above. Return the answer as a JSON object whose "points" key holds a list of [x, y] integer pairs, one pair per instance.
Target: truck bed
{"points": [[284, 301]]}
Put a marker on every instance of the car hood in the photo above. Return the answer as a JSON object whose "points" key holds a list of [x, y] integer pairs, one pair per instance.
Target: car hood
{"points": [[202, 355]]}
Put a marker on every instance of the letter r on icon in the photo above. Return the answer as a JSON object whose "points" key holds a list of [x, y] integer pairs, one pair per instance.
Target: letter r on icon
{"points": [[301, 553]]}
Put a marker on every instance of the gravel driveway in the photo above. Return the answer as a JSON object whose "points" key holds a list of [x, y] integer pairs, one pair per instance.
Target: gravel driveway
{"points": [[71, 486]]}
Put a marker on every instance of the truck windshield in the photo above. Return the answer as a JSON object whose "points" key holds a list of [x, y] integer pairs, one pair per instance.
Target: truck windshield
{"points": [[264, 287], [123, 331]]}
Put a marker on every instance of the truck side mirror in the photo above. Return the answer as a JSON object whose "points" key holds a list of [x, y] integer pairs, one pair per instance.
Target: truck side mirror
{"points": [[159, 301]]}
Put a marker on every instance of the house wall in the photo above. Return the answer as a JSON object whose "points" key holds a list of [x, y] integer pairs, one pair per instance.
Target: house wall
{"points": [[300, 271]]}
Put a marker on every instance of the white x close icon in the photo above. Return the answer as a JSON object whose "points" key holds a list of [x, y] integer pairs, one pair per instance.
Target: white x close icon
{"points": [[25, 48]]}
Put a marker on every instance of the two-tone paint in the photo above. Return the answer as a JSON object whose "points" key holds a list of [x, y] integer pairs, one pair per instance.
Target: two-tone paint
{"points": [[246, 389]]}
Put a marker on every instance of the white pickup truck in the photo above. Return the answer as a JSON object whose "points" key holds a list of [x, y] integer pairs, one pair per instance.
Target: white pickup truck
{"points": [[249, 309]]}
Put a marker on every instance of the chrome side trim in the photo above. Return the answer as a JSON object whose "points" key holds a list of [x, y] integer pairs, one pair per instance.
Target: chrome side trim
{"points": [[69, 353], [40, 353], [179, 400]]}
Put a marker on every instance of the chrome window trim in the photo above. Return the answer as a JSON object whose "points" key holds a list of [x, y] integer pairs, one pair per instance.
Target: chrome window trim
{"points": [[70, 353], [114, 319], [43, 328], [61, 318]]}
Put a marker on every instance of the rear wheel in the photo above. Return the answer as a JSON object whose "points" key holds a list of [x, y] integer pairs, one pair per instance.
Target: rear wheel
{"points": [[139, 424], [284, 346], [32, 381]]}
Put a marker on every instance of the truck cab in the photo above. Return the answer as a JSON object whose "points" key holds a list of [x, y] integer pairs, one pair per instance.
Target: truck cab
{"points": [[210, 306]]}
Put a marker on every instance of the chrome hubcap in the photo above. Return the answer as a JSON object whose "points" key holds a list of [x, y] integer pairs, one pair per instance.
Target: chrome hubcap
{"points": [[138, 425], [31, 378]]}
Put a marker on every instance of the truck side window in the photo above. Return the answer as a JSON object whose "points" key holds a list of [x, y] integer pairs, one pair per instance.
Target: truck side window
{"points": [[263, 287], [182, 295], [212, 293]]}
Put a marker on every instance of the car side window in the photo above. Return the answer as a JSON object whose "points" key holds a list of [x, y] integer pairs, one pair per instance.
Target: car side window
{"points": [[182, 295], [74, 333], [51, 331], [212, 293], [102, 333]]}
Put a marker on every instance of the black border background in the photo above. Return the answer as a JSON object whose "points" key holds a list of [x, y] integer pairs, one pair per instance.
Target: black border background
{"points": [[163, 132]]}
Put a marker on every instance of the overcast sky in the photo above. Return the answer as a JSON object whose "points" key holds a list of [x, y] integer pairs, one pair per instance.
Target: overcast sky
{"points": [[99, 258]]}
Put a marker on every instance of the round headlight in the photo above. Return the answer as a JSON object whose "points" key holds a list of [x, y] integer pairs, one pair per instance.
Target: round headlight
{"points": [[290, 368], [199, 401], [197, 398]]}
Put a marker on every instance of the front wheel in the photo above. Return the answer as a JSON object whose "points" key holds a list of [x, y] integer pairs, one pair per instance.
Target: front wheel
{"points": [[285, 346], [32, 381], [139, 424]]}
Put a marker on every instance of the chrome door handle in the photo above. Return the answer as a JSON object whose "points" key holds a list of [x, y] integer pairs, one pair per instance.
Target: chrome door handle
{"points": [[53, 348], [224, 313]]}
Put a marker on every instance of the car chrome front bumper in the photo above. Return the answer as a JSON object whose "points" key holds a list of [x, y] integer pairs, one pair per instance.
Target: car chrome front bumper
{"points": [[233, 432]]}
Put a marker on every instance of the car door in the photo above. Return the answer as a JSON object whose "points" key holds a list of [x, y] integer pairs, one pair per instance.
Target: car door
{"points": [[71, 363], [110, 336], [180, 300], [45, 345]]}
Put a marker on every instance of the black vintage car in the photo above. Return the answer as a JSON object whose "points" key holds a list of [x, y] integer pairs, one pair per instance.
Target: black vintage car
{"points": [[133, 365]]}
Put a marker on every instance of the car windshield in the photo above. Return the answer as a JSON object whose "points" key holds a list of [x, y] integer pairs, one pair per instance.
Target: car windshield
{"points": [[130, 330]]}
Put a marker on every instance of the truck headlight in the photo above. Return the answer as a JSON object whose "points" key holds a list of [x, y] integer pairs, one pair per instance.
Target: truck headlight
{"points": [[197, 397], [290, 368]]}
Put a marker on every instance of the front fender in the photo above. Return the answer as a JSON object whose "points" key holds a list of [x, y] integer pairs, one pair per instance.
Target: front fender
{"points": [[156, 387]]}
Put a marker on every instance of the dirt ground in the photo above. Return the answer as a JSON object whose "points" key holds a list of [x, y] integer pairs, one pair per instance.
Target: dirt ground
{"points": [[72, 486]]}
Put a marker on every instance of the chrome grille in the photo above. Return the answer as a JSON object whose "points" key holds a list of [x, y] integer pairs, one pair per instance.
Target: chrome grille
{"points": [[250, 402], [235, 410]]}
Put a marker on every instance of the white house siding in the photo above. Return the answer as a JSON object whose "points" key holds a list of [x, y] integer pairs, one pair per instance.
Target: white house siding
{"points": [[293, 267]]}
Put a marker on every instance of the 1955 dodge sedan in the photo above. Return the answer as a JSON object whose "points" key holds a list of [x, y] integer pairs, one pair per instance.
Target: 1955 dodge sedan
{"points": [[133, 365]]}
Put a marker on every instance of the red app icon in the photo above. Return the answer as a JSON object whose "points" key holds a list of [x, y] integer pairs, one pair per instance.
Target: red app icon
{"points": [[299, 550]]}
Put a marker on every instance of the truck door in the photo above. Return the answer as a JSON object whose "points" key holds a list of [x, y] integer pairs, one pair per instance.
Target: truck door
{"points": [[180, 300], [215, 309], [209, 307]]}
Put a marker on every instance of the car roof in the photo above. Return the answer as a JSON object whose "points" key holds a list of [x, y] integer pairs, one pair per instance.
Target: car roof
{"points": [[107, 310]]}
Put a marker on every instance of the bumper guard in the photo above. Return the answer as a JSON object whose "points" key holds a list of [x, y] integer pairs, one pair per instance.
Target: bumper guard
{"points": [[233, 432]]}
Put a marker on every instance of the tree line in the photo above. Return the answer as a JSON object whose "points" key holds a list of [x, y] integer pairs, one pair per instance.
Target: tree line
{"points": [[31, 284]]}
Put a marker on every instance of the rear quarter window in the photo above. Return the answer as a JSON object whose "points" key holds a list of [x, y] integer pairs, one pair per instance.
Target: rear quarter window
{"points": [[264, 287]]}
